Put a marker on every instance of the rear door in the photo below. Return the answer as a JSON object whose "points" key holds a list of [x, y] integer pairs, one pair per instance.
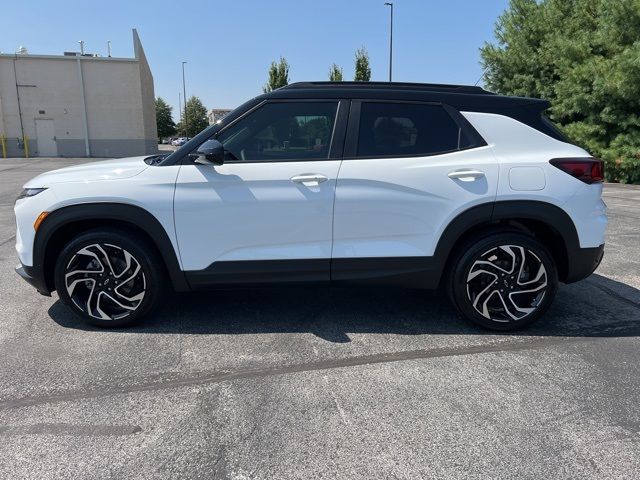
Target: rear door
{"points": [[409, 168]]}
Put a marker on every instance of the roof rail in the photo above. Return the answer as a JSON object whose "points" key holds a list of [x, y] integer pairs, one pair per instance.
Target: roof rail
{"points": [[442, 87]]}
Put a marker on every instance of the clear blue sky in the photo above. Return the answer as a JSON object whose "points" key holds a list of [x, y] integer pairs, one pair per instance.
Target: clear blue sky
{"points": [[229, 44]]}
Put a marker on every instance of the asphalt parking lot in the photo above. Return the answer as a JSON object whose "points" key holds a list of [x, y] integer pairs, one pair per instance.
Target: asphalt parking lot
{"points": [[323, 383]]}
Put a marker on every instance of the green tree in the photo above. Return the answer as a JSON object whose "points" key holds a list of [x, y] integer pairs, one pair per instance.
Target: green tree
{"points": [[584, 57], [335, 73], [164, 121], [363, 69], [196, 118], [278, 75]]}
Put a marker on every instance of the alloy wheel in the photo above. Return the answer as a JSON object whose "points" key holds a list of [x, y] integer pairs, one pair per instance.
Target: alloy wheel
{"points": [[507, 283], [105, 281]]}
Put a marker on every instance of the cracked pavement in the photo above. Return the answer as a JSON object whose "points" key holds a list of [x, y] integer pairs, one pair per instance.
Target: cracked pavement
{"points": [[294, 383]]}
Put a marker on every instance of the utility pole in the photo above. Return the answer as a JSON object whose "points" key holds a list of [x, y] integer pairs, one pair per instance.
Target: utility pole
{"points": [[184, 95], [390, 4]]}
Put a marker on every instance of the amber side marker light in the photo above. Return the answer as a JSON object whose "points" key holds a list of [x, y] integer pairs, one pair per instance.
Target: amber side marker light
{"points": [[39, 220]]}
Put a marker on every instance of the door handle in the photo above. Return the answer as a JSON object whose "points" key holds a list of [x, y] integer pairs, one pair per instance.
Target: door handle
{"points": [[309, 179], [466, 175]]}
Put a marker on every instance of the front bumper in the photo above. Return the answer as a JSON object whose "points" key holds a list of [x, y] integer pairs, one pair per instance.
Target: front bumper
{"points": [[583, 262], [34, 279]]}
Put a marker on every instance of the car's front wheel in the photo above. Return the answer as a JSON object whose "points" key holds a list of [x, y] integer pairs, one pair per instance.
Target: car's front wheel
{"points": [[503, 281], [110, 278]]}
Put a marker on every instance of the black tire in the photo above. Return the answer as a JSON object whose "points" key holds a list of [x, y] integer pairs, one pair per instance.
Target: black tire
{"points": [[117, 275], [488, 286]]}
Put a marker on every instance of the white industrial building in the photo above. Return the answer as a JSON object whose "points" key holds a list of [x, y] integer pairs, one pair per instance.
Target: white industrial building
{"points": [[75, 105], [217, 114]]}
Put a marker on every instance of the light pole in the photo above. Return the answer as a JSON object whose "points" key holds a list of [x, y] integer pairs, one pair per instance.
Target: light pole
{"points": [[390, 40], [180, 106], [184, 96]]}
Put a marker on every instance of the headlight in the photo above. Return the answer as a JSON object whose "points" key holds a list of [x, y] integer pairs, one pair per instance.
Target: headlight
{"points": [[29, 192]]}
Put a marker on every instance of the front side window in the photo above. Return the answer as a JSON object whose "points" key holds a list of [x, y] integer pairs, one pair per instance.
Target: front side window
{"points": [[282, 131], [399, 129]]}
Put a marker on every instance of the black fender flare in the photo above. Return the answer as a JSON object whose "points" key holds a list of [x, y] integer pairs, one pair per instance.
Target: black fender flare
{"points": [[135, 215], [547, 213], [487, 214]]}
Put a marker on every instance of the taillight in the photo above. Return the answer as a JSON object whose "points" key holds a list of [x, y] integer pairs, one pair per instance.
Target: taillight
{"points": [[589, 170]]}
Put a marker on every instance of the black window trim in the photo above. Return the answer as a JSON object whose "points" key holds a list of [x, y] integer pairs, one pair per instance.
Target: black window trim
{"points": [[337, 135], [351, 140]]}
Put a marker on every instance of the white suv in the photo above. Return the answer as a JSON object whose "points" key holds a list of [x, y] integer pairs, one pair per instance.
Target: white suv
{"points": [[415, 185]]}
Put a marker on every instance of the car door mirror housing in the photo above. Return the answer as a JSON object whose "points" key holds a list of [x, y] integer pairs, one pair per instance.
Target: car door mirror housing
{"points": [[210, 152]]}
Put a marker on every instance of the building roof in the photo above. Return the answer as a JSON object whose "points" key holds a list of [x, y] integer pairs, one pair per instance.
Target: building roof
{"points": [[71, 56]]}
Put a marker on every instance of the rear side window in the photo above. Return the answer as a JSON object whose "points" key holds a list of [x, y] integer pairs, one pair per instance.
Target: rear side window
{"points": [[407, 129]]}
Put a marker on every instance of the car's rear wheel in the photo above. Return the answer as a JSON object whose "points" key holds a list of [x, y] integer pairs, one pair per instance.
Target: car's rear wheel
{"points": [[109, 278], [503, 281]]}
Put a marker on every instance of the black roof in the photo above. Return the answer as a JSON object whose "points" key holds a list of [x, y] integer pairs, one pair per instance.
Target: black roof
{"points": [[469, 97]]}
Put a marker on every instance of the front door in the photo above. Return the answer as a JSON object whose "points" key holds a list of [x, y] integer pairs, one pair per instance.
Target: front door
{"points": [[46, 138], [266, 214]]}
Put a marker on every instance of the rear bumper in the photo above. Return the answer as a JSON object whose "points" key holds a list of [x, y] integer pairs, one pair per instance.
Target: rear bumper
{"points": [[31, 276], [583, 262]]}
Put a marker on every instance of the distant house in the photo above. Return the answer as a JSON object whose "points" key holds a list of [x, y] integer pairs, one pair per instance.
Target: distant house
{"points": [[217, 114], [77, 105]]}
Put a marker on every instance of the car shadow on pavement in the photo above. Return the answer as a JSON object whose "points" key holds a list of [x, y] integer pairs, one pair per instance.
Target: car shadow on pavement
{"points": [[596, 307]]}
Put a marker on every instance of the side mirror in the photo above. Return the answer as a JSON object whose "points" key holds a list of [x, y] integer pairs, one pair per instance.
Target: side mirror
{"points": [[210, 152]]}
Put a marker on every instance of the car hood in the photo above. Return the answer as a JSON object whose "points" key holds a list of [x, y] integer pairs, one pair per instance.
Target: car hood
{"points": [[91, 172]]}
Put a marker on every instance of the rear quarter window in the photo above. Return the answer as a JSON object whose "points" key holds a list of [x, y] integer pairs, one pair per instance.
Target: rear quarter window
{"points": [[553, 130]]}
